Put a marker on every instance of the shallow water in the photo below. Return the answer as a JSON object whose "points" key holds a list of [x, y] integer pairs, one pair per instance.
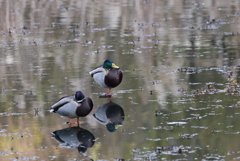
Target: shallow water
{"points": [[179, 93]]}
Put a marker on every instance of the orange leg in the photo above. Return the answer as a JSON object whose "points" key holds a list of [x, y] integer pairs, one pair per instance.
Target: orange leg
{"points": [[78, 121], [109, 92], [70, 122]]}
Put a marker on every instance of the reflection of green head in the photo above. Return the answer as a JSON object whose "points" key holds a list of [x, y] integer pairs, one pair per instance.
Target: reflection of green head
{"points": [[111, 127]]}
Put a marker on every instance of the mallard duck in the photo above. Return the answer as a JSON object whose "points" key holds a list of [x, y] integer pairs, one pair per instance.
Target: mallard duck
{"points": [[107, 75], [111, 115], [75, 137], [73, 106]]}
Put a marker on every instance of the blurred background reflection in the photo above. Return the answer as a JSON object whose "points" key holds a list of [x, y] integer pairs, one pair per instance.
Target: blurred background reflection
{"points": [[180, 88]]}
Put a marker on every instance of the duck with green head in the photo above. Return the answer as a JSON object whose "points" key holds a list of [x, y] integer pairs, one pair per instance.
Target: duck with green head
{"points": [[107, 75], [73, 106]]}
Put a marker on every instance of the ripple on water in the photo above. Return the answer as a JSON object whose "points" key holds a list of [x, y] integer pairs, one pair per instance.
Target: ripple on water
{"points": [[3, 130], [163, 127], [176, 123], [126, 91], [213, 157], [199, 127]]}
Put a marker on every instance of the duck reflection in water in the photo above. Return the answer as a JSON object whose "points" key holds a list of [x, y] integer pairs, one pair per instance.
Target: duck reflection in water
{"points": [[111, 115], [75, 138]]}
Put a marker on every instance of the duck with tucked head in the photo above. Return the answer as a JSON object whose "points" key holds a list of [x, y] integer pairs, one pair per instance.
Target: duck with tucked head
{"points": [[73, 106], [107, 75], [75, 137]]}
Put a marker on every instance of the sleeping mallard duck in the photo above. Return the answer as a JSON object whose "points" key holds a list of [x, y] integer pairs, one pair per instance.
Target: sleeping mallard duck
{"points": [[107, 75], [73, 106]]}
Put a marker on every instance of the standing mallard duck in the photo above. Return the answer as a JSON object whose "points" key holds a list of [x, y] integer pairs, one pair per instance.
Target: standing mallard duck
{"points": [[73, 106], [107, 75]]}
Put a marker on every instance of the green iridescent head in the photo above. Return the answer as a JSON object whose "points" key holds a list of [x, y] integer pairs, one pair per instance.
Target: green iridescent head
{"points": [[108, 64]]}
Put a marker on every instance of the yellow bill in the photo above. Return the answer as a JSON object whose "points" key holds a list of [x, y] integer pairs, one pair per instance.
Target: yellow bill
{"points": [[114, 66], [117, 126]]}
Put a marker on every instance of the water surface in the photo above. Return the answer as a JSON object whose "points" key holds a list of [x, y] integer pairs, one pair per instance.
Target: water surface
{"points": [[180, 88]]}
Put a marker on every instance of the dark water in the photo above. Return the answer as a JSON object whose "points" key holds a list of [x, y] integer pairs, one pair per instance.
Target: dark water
{"points": [[179, 95]]}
